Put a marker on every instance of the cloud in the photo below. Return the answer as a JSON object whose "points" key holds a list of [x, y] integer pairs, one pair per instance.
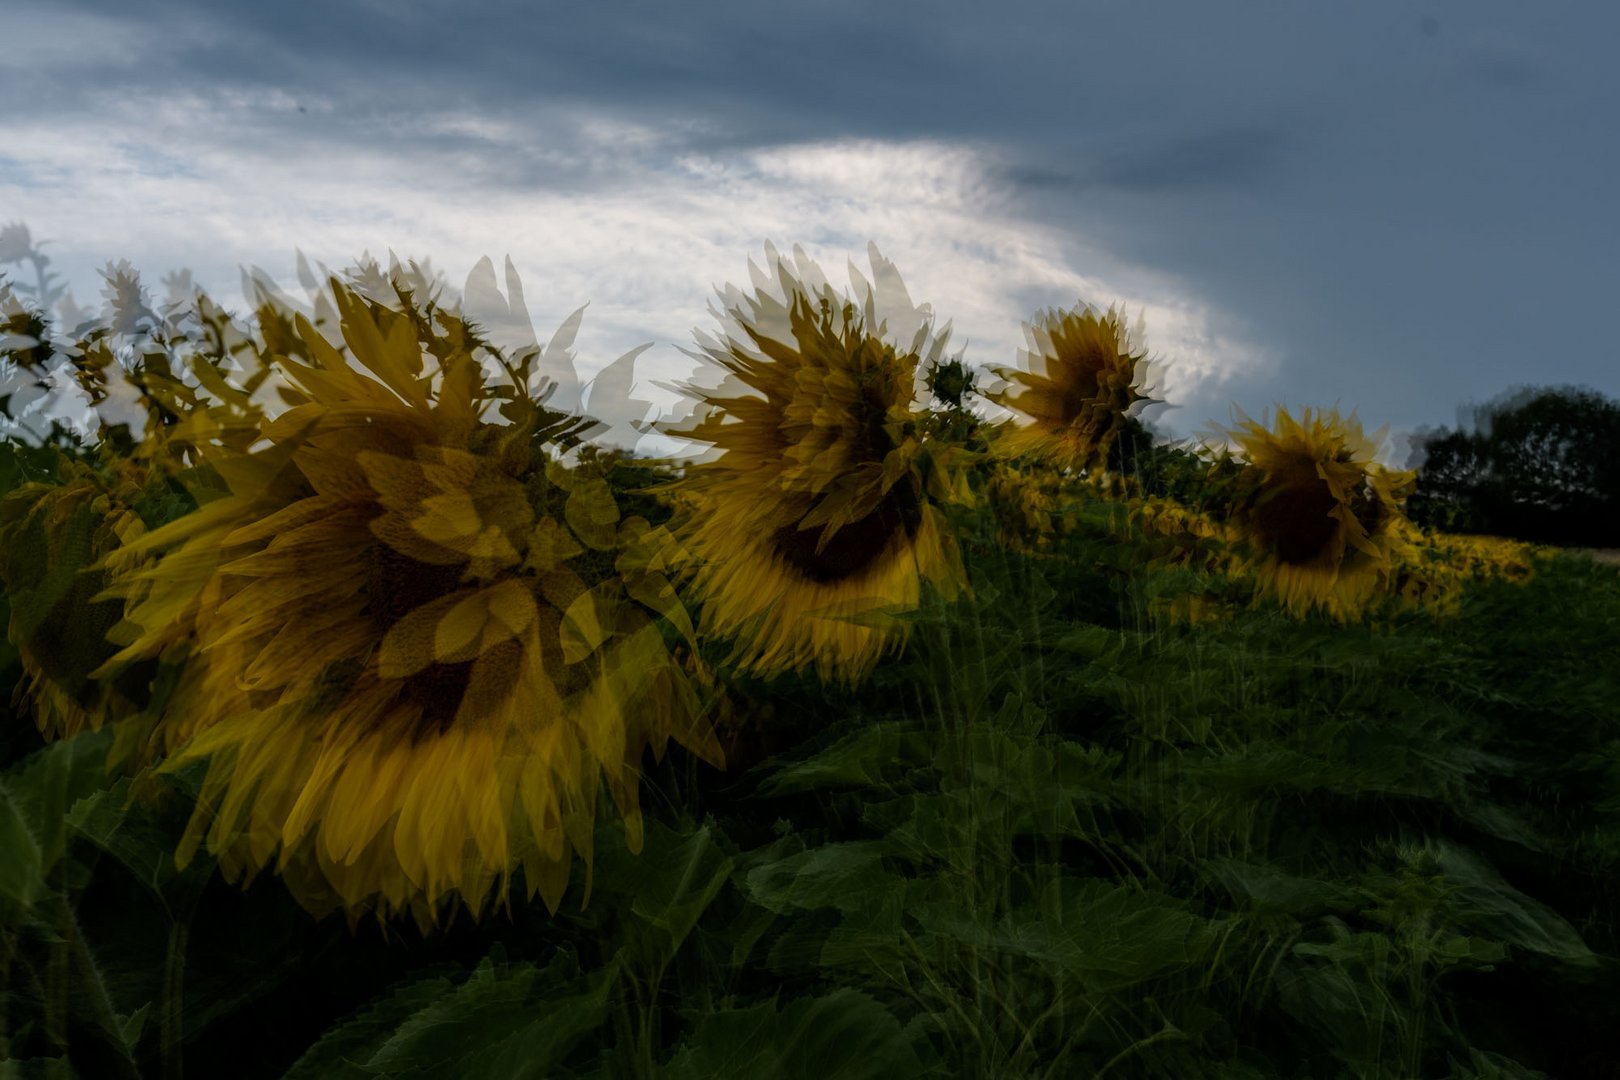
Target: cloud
{"points": [[591, 206], [1252, 156], [45, 43], [1264, 181]]}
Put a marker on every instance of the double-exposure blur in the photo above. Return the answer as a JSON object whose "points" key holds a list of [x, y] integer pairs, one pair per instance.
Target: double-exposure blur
{"points": [[414, 633], [815, 519], [829, 722]]}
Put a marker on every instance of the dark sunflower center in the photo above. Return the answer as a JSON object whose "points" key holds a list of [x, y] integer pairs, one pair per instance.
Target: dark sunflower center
{"points": [[1079, 392], [72, 641], [395, 586], [1296, 522], [854, 547], [859, 544]]}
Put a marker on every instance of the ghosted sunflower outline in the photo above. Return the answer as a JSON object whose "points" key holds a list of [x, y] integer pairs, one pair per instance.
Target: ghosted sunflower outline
{"points": [[54, 538], [1317, 516], [414, 643], [814, 519], [1080, 378]]}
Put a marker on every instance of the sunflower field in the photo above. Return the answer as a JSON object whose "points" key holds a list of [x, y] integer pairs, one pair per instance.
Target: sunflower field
{"points": [[386, 705]]}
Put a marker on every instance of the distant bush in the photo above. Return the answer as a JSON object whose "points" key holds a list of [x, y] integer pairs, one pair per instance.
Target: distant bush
{"points": [[1173, 470], [1537, 463]]}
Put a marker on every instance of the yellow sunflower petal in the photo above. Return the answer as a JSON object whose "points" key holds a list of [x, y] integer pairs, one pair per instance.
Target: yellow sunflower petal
{"points": [[812, 517], [407, 676]]}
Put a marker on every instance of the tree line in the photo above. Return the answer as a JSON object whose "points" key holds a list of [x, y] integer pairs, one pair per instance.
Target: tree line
{"points": [[1536, 463]]}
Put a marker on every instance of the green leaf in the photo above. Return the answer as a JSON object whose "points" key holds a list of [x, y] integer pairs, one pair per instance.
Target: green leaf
{"points": [[1108, 936], [864, 758], [22, 862], [1267, 890], [677, 883], [1504, 824], [1341, 1005], [503, 1020], [1483, 902], [845, 1034], [1090, 642], [130, 1027], [34, 800], [136, 836], [1456, 949], [841, 876], [345, 1049], [37, 1069], [1488, 1065]]}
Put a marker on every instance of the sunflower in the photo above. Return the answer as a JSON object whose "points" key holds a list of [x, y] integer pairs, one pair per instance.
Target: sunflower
{"points": [[816, 519], [1434, 570], [414, 641], [1190, 532], [53, 541], [1317, 515], [56, 537], [1030, 506], [1084, 376]]}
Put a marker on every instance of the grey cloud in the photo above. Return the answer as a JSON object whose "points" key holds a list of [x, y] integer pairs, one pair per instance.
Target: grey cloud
{"points": [[1250, 156]]}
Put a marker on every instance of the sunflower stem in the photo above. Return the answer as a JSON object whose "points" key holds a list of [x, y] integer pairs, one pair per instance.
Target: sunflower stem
{"points": [[57, 974], [174, 967], [8, 957]]}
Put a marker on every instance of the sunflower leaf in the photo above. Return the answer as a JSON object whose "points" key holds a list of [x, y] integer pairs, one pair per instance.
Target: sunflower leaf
{"points": [[846, 1033], [592, 513], [837, 875], [866, 757], [35, 797], [502, 1020], [1487, 903], [22, 860], [140, 843], [677, 884]]}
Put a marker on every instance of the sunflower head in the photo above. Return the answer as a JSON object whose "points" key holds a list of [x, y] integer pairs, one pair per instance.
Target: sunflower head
{"points": [[814, 519], [1317, 514], [54, 540], [951, 382], [1084, 375], [416, 642]]}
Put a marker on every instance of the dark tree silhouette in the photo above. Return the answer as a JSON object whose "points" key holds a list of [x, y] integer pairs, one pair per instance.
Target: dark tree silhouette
{"points": [[1537, 463]]}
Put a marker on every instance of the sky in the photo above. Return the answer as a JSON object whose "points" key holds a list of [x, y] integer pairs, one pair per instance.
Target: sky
{"points": [[1392, 207]]}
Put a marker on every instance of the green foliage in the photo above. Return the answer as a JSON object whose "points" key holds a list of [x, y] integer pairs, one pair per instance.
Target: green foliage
{"points": [[1179, 471], [845, 1033], [56, 997], [36, 799], [501, 1020]]}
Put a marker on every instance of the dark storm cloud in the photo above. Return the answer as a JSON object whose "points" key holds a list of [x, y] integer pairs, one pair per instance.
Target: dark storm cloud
{"points": [[1406, 206], [1247, 157]]}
